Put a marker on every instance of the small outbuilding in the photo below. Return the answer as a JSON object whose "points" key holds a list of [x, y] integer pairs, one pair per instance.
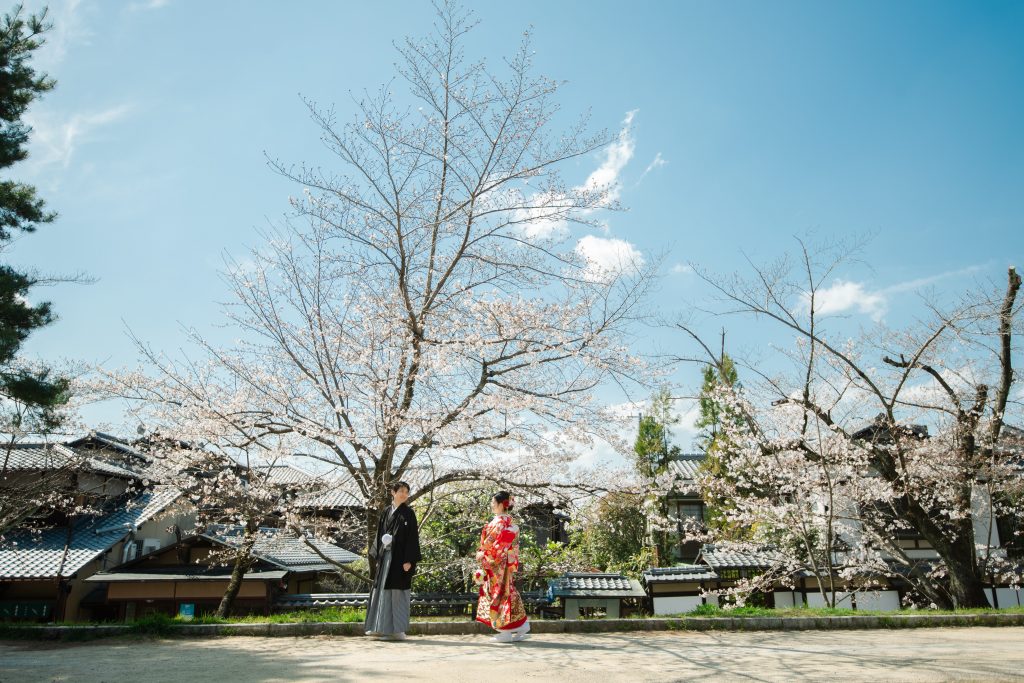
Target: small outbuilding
{"points": [[592, 594], [679, 589]]}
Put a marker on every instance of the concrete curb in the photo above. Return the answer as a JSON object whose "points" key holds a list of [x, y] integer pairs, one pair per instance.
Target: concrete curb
{"points": [[464, 628]]}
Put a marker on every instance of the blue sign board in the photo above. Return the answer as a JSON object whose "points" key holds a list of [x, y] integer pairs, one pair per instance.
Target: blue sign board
{"points": [[187, 611]]}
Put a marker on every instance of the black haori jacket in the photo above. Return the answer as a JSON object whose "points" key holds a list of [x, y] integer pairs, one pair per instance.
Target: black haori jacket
{"points": [[405, 546]]}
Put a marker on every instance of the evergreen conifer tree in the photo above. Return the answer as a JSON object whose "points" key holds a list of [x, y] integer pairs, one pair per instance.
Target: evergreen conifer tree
{"points": [[22, 211]]}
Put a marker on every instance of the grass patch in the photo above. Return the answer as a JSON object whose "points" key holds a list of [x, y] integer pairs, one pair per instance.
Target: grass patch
{"points": [[321, 616], [153, 625]]}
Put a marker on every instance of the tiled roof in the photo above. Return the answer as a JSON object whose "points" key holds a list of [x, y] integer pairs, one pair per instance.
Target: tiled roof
{"points": [[281, 548], [37, 456], [681, 573], [41, 555], [316, 600], [320, 600], [685, 468], [721, 558], [43, 456], [110, 442], [109, 469], [285, 474], [686, 465], [344, 491], [187, 573], [329, 500], [594, 585]]}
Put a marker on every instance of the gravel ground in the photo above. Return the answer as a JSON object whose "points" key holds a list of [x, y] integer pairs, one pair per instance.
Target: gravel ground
{"points": [[948, 654]]}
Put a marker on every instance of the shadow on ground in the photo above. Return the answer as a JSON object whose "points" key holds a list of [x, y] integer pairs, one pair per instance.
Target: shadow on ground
{"points": [[919, 655]]}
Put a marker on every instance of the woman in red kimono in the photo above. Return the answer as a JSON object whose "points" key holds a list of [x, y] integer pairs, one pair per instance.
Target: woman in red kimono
{"points": [[500, 606]]}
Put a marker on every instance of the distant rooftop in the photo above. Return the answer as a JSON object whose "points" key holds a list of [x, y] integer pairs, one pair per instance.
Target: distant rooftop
{"points": [[594, 585], [680, 573], [44, 457], [283, 549], [720, 558], [685, 468], [104, 440], [187, 573]]}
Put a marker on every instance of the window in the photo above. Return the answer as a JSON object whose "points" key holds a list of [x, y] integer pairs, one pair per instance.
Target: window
{"points": [[687, 511], [693, 511], [132, 549]]}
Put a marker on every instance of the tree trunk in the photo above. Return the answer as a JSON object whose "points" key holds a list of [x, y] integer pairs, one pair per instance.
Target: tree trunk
{"points": [[372, 520], [966, 584], [243, 561]]}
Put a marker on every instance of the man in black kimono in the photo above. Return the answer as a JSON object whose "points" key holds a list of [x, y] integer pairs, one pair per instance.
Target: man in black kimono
{"points": [[396, 550]]}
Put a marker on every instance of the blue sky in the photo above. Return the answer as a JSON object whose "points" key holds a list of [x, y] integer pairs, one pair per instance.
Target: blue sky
{"points": [[767, 120]]}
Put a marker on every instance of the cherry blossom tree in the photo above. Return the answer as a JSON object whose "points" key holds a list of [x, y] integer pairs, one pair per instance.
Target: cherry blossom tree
{"points": [[898, 430], [425, 303]]}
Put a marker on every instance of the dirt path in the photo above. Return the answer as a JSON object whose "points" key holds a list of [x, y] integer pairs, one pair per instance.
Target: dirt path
{"points": [[906, 655]]}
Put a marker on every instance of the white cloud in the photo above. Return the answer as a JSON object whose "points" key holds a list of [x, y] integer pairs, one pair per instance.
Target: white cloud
{"points": [[544, 222], [962, 379], [148, 5], [606, 257], [844, 296], [914, 285], [54, 142], [625, 410], [683, 433], [68, 29], [657, 162], [682, 269], [616, 156]]}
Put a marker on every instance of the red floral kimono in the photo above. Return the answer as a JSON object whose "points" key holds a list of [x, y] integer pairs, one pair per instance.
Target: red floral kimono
{"points": [[500, 605]]}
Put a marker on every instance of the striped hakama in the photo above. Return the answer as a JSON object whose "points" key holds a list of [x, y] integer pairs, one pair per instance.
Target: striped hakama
{"points": [[388, 611]]}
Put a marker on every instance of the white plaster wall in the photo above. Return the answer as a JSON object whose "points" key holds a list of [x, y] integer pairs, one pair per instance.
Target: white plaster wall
{"points": [[676, 605], [100, 485], [785, 599], [158, 529], [1007, 597], [846, 522], [883, 601], [985, 531], [816, 599]]}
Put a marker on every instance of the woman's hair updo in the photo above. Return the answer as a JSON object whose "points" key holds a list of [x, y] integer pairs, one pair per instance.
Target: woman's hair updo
{"points": [[505, 498]]}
